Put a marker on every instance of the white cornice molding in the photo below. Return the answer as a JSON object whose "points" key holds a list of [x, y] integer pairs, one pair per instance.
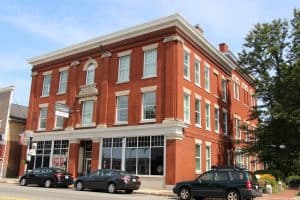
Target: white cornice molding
{"points": [[171, 130], [159, 24], [173, 38], [6, 89]]}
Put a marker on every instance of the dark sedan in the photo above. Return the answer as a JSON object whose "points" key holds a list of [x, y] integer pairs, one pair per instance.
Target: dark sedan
{"points": [[47, 177], [108, 179]]}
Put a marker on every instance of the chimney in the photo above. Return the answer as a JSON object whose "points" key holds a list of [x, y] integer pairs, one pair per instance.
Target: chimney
{"points": [[198, 28], [223, 47]]}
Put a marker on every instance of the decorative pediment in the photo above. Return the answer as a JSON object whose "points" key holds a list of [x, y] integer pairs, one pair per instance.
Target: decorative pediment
{"points": [[88, 91]]}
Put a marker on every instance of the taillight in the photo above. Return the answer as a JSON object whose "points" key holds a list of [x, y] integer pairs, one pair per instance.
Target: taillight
{"points": [[248, 185], [126, 179], [58, 176]]}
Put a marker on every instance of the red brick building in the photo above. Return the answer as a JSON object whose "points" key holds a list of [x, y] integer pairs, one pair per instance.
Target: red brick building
{"points": [[157, 100]]}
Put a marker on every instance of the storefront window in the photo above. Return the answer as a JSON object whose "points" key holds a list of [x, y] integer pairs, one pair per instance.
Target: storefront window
{"points": [[143, 155]]}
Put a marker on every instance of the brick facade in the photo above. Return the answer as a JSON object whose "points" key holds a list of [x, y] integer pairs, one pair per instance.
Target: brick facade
{"points": [[170, 40]]}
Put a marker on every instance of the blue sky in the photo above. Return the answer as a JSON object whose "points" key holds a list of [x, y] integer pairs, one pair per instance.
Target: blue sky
{"points": [[30, 28]]}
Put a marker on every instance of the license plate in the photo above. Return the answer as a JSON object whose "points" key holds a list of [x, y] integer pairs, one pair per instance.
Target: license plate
{"points": [[133, 180], [66, 177]]}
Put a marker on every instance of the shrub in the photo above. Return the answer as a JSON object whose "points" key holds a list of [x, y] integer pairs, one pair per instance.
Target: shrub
{"points": [[268, 179], [293, 181], [276, 173]]}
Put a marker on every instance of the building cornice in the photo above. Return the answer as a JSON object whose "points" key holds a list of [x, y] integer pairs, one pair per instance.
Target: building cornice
{"points": [[171, 130], [166, 22]]}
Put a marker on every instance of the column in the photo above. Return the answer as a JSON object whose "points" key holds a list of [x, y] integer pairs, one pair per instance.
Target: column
{"points": [[73, 157], [95, 154], [172, 79], [23, 166], [102, 112]]}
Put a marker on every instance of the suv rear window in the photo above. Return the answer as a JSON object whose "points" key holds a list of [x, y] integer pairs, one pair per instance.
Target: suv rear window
{"points": [[237, 175]]}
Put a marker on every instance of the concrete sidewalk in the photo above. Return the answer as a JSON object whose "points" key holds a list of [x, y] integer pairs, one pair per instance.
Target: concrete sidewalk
{"points": [[287, 194]]}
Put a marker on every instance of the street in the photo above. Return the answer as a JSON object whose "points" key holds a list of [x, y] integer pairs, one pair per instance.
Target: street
{"points": [[16, 192]]}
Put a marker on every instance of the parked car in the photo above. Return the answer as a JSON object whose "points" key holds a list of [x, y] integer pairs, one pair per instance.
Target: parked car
{"points": [[47, 177], [108, 179], [221, 182]]}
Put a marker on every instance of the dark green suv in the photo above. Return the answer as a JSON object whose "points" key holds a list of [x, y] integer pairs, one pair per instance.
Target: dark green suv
{"points": [[221, 182]]}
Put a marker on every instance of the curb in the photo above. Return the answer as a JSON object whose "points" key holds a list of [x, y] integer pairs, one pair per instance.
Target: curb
{"points": [[155, 193]]}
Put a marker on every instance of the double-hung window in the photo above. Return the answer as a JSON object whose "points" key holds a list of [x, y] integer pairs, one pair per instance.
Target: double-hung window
{"points": [[186, 64], [217, 119], [90, 74], [124, 68], [198, 157], [149, 105], [238, 128], [122, 109], [225, 126], [63, 78], [197, 73], [208, 157], [236, 89], [186, 108], [150, 63], [43, 117], [224, 90], [207, 78], [46, 85], [198, 112], [87, 113], [207, 115]]}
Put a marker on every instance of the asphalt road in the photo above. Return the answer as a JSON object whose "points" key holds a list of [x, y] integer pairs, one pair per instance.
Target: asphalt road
{"points": [[16, 192]]}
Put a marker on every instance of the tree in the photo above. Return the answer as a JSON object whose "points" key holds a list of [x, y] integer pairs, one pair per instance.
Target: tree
{"points": [[271, 56]]}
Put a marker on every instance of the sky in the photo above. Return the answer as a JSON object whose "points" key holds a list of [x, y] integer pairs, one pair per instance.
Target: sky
{"points": [[29, 28]]}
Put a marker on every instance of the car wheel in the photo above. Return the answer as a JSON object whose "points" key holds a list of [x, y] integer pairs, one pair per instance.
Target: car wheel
{"points": [[232, 195], [79, 186], [47, 183], [23, 182], [111, 188], [184, 194], [128, 191]]}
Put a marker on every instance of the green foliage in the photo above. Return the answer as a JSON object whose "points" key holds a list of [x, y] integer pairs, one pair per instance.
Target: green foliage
{"points": [[266, 179], [271, 55], [276, 173]]}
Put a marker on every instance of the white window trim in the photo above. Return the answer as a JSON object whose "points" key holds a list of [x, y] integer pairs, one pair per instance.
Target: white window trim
{"points": [[47, 73], [206, 65], [59, 83], [208, 144], [124, 53], [209, 115], [122, 93], [199, 142], [187, 91], [64, 69], [150, 47], [197, 58], [187, 50], [148, 88], [145, 49], [224, 98], [198, 97], [93, 123], [188, 120], [45, 105], [116, 111], [55, 117], [215, 71], [225, 111], [217, 107], [142, 114]]}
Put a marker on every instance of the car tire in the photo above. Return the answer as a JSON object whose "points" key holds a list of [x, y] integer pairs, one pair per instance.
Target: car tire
{"points": [[111, 188], [48, 183], [184, 194], [23, 182], [128, 191], [232, 195], [79, 186]]}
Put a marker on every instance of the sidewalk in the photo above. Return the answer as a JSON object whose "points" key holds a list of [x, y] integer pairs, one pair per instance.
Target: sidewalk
{"points": [[287, 194]]}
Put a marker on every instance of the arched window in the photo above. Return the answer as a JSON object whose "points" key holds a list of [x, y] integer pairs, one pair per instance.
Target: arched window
{"points": [[90, 74]]}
